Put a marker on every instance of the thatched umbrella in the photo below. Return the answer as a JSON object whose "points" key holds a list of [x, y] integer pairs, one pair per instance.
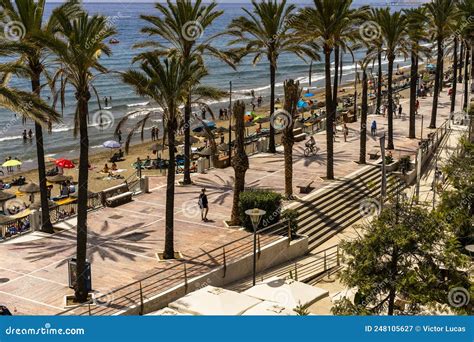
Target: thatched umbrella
{"points": [[58, 178], [5, 196], [205, 152], [30, 188]]}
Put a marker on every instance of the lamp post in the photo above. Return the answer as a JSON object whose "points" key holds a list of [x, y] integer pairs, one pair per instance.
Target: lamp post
{"points": [[255, 217], [384, 180]]}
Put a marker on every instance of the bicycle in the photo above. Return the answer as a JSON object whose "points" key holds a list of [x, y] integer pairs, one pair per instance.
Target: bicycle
{"points": [[310, 150]]}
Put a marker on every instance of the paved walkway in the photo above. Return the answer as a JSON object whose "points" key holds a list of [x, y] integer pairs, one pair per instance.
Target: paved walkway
{"points": [[123, 241]]}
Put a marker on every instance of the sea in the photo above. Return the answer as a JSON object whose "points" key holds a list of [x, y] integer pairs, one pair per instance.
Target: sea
{"points": [[125, 16]]}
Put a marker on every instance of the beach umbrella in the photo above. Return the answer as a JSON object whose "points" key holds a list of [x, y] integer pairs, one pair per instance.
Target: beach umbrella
{"points": [[111, 144], [58, 178], [261, 119], [5, 196], [29, 188], [192, 139], [308, 94], [64, 163], [200, 126], [223, 147], [12, 163]]}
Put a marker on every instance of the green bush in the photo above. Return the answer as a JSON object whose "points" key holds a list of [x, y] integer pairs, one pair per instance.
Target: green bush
{"points": [[405, 164], [262, 199]]}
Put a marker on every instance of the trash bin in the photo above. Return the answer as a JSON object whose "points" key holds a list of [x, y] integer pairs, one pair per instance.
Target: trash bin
{"points": [[200, 165]]}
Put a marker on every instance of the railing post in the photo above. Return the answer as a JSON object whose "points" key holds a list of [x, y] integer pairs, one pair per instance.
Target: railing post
{"points": [[289, 231], [142, 306], [89, 305], [296, 271], [259, 250], [185, 278], [325, 262], [224, 261]]}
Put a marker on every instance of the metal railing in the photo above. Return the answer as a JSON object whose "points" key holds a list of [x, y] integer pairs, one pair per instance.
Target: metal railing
{"points": [[15, 227], [66, 211], [135, 294]]}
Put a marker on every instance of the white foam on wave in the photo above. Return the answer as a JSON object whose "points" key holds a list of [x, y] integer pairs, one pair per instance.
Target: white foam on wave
{"points": [[16, 137]]}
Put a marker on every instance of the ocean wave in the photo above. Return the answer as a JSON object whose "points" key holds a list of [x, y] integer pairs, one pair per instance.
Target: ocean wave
{"points": [[16, 137]]}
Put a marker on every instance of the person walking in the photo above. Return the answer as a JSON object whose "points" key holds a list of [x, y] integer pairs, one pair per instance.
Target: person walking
{"points": [[346, 132], [153, 133], [400, 111], [373, 128], [203, 205]]}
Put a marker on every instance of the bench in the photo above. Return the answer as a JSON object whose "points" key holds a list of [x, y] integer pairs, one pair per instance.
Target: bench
{"points": [[374, 154], [117, 195]]}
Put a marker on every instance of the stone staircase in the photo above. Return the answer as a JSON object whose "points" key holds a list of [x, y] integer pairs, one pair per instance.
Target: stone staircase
{"points": [[336, 207]]}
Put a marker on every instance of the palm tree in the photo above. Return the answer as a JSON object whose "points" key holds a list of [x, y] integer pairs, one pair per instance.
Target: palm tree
{"points": [[466, 35], [364, 109], [179, 27], [441, 17], [376, 43], [416, 29], [240, 161], [292, 95], [29, 15], [393, 26], [265, 31], [168, 83], [320, 24], [78, 48]]}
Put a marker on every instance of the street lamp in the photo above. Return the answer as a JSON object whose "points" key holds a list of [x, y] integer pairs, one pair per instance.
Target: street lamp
{"points": [[255, 217]]}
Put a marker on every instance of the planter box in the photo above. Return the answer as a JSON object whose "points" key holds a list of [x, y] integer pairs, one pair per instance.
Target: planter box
{"points": [[390, 167]]}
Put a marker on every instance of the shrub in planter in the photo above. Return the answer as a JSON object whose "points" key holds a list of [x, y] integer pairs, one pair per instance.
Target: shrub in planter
{"points": [[292, 216], [388, 159], [262, 199]]}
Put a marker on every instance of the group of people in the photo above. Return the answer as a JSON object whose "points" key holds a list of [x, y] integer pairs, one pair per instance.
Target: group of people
{"points": [[108, 169], [223, 114], [108, 101], [10, 169], [66, 188], [155, 133], [27, 135]]}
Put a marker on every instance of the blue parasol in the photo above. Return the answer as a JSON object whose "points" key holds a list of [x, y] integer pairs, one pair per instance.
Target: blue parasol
{"points": [[111, 144]]}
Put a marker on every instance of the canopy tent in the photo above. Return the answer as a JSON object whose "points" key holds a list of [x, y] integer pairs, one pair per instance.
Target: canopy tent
{"points": [[286, 292], [267, 308], [212, 300]]}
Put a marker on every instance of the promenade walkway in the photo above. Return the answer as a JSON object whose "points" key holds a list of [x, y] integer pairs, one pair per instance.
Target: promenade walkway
{"points": [[123, 241]]}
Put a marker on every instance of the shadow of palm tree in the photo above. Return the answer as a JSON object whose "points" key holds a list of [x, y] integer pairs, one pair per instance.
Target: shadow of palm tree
{"points": [[124, 242]]}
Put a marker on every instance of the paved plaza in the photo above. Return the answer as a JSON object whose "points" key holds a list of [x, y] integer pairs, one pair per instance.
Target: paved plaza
{"points": [[123, 241]]}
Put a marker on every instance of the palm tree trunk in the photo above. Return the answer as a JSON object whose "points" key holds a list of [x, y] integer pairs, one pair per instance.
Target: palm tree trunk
{"points": [[390, 145], [240, 162], [455, 76], [46, 224], [441, 76], [466, 77], [336, 75], [379, 82], [330, 113], [461, 57], [81, 247], [413, 86], [363, 118], [292, 96], [171, 177], [434, 110], [187, 142], [271, 147]]}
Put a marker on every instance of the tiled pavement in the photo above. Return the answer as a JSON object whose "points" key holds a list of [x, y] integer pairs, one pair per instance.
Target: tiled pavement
{"points": [[123, 240]]}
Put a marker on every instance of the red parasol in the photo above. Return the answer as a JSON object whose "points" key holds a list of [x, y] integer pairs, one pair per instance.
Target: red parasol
{"points": [[64, 163]]}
